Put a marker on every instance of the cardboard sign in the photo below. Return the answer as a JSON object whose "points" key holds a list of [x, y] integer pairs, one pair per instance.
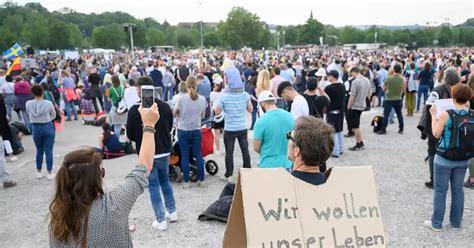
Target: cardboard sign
{"points": [[273, 209]]}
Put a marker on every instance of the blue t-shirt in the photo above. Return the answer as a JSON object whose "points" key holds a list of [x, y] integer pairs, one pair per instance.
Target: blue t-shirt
{"points": [[234, 104], [271, 129], [204, 88]]}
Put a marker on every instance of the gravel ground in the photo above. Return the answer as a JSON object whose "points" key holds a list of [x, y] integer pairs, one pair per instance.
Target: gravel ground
{"points": [[397, 160]]}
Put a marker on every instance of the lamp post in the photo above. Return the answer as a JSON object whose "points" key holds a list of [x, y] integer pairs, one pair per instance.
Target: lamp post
{"points": [[200, 23], [130, 27]]}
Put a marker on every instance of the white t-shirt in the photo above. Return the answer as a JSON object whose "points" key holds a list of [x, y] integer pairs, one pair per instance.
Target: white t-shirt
{"points": [[215, 96], [130, 96], [299, 107]]}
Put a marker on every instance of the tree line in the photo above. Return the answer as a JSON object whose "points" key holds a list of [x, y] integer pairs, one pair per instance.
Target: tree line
{"points": [[32, 24]]}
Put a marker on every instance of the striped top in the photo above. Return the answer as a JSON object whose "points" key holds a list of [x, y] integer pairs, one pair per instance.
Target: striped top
{"points": [[234, 104]]}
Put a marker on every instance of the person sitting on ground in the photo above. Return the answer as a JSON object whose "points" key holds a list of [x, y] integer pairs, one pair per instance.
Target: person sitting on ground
{"points": [[108, 141], [309, 147], [94, 218]]}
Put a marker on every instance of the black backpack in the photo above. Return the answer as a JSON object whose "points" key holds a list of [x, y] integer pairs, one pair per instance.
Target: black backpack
{"points": [[461, 144], [311, 107]]}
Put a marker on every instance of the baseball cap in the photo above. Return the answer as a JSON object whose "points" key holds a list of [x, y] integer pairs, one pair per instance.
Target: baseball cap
{"points": [[265, 96], [218, 80], [321, 72]]}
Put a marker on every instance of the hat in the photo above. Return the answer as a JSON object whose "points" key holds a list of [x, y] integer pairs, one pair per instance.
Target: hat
{"points": [[321, 72], [218, 80], [334, 74], [312, 83], [266, 96]]}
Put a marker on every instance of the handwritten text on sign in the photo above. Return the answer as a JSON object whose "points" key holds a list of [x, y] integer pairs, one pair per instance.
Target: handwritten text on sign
{"points": [[350, 210]]}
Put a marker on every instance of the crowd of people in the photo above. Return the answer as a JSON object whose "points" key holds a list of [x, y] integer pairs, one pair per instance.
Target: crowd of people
{"points": [[298, 102]]}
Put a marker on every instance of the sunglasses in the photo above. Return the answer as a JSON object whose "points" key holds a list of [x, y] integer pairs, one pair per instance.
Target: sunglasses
{"points": [[102, 170], [289, 137]]}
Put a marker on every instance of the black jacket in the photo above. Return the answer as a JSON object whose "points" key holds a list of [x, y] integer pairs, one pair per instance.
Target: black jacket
{"points": [[424, 125], [163, 128], [5, 132]]}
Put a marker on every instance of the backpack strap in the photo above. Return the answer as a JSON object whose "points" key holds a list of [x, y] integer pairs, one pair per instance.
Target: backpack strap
{"points": [[315, 110]]}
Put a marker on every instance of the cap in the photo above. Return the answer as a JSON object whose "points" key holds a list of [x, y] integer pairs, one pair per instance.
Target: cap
{"points": [[334, 74], [266, 96], [321, 72], [218, 80]]}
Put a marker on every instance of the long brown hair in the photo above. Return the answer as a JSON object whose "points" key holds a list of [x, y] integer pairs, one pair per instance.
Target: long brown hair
{"points": [[78, 184], [191, 84]]}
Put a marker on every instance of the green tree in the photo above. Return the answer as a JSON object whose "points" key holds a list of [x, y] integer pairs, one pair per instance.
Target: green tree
{"points": [[292, 35], [185, 39], [6, 38], [212, 39], [384, 36], [401, 36], [155, 37], [77, 37], [36, 31], [14, 25], [445, 36], [311, 31], [60, 37], [241, 28], [466, 36], [350, 34], [111, 37]]}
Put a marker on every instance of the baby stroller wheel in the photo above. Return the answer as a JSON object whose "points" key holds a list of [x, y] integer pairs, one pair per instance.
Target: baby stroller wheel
{"points": [[178, 173], [193, 174], [211, 167]]}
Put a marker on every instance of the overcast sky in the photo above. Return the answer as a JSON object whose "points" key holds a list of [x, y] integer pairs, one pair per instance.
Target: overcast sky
{"points": [[335, 12]]}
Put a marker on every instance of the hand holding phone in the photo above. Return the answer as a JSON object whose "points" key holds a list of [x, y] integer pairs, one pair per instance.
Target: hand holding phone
{"points": [[147, 95]]}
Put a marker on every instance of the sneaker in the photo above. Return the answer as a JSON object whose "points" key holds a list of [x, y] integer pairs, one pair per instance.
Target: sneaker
{"points": [[12, 158], [450, 226], [382, 131], [200, 183], [400, 131], [334, 156], [173, 217], [160, 225], [469, 185], [228, 179], [186, 185], [428, 224], [50, 176], [9, 184], [39, 175], [429, 184], [348, 135], [357, 147]]}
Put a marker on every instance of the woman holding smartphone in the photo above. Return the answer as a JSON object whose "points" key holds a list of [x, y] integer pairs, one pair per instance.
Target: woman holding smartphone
{"points": [[190, 109]]}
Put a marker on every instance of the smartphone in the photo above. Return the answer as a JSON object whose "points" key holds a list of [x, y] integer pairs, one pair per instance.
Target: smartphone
{"points": [[148, 96]]}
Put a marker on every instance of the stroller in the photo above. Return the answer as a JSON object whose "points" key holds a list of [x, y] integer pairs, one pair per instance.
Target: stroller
{"points": [[207, 148]]}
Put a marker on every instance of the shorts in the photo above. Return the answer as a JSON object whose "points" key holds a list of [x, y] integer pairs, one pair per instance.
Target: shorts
{"points": [[353, 118], [217, 125]]}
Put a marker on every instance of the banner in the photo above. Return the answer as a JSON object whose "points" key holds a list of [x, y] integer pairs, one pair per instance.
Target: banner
{"points": [[271, 208]]}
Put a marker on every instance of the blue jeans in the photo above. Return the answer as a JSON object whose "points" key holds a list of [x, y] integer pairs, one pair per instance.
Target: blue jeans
{"points": [[117, 130], [159, 182], [388, 106], [70, 105], [338, 144], [254, 116], [10, 100], [193, 139], [443, 175], [26, 120], [43, 136], [422, 90], [168, 93]]}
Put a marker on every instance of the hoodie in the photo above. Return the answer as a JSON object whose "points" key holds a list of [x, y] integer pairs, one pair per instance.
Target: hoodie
{"points": [[40, 111]]}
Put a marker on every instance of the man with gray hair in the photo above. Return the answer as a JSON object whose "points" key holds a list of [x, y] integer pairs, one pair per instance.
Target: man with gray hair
{"points": [[443, 91]]}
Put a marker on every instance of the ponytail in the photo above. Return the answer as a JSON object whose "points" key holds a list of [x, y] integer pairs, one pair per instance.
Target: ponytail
{"points": [[191, 86]]}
